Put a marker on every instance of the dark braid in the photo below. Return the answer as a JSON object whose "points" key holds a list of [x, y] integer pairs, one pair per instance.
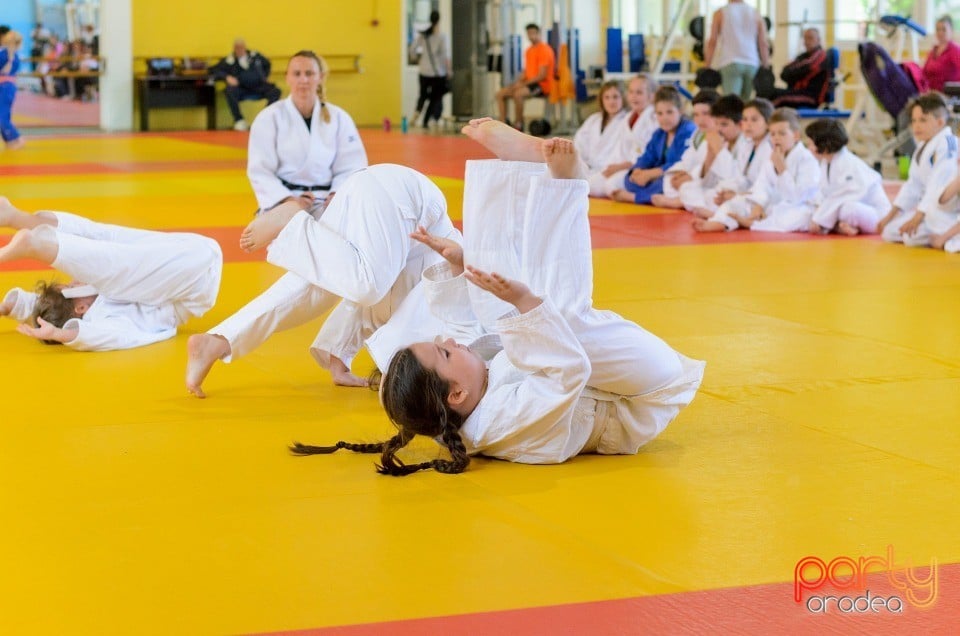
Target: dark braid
{"points": [[415, 399], [305, 449]]}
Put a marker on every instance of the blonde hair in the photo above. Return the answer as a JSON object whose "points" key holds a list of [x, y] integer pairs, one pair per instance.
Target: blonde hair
{"points": [[324, 71]]}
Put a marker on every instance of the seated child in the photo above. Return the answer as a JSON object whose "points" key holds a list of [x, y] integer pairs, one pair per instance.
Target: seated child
{"points": [[782, 199], [635, 131], [852, 198], [137, 286], [943, 221], [682, 171], [600, 137], [932, 167], [569, 379], [666, 147], [750, 156], [720, 165]]}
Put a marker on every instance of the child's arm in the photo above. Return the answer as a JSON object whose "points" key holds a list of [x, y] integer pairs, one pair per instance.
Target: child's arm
{"points": [[952, 190], [46, 331], [889, 216]]}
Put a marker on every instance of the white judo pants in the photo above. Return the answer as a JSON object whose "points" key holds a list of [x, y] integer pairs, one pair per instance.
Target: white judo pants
{"points": [[935, 222], [139, 266], [863, 215], [359, 250]]}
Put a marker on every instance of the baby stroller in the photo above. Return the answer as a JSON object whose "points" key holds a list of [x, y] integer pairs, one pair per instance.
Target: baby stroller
{"points": [[893, 87]]}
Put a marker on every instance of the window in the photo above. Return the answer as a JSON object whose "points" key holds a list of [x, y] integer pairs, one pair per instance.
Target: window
{"points": [[856, 19]]}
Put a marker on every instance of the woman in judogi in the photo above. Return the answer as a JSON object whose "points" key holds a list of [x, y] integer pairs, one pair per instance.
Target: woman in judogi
{"points": [[568, 379], [852, 198], [599, 139], [302, 147], [131, 287], [359, 250]]}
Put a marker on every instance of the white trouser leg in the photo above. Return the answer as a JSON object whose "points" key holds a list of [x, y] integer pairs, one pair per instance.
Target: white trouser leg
{"points": [[737, 205], [891, 232], [693, 195], [785, 217], [289, 302], [859, 215]]}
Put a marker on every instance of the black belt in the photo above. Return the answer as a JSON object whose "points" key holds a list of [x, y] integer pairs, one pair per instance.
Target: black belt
{"points": [[303, 188]]}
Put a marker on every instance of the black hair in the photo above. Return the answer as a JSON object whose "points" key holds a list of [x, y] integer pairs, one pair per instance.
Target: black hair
{"points": [[729, 107], [707, 96], [827, 135]]}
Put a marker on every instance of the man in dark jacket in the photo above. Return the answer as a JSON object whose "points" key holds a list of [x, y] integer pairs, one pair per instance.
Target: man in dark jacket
{"points": [[807, 77], [247, 74]]}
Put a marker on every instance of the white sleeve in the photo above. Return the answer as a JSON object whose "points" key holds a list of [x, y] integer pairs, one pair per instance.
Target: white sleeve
{"points": [[541, 343], [800, 184], [23, 303], [263, 162], [110, 334], [759, 192], [350, 153], [724, 166], [447, 295], [943, 173]]}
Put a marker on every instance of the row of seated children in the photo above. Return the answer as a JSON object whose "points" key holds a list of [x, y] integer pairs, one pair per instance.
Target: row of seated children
{"points": [[735, 175], [610, 141]]}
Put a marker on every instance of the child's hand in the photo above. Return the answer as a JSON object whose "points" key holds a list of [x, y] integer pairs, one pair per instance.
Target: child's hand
{"points": [[723, 196], [779, 160], [677, 179], [447, 248], [639, 177], [6, 308], [910, 227], [46, 331], [714, 141], [511, 291], [886, 219]]}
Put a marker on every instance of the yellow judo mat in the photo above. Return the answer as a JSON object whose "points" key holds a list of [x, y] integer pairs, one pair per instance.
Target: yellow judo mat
{"points": [[827, 426]]}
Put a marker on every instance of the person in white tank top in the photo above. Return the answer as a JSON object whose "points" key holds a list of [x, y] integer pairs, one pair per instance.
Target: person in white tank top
{"points": [[737, 47]]}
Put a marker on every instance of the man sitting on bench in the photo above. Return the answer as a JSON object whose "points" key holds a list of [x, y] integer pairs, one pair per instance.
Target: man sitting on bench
{"points": [[247, 74], [536, 81], [807, 77]]}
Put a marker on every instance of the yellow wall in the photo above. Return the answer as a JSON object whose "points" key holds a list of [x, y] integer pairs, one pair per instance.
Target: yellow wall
{"points": [[278, 28]]}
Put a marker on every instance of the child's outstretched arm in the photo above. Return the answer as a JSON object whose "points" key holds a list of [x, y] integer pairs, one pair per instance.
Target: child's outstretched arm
{"points": [[952, 190], [938, 241], [449, 249], [46, 331], [511, 291]]}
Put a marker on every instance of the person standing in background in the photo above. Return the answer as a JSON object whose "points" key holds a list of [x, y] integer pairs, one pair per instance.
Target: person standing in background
{"points": [[9, 65], [741, 35], [432, 51]]}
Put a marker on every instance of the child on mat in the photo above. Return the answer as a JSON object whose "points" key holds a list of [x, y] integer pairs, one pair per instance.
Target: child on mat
{"points": [[570, 379], [932, 167], [666, 147], [599, 139], [782, 199], [719, 163], [137, 286], [693, 157], [852, 198], [750, 157], [359, 250]]}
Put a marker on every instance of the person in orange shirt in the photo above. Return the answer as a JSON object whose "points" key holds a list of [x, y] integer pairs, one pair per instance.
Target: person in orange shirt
{"points": [[536, 81]]}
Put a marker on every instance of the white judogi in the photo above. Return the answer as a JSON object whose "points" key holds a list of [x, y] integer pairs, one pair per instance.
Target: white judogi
{"points": [[725, 169], [281, 147], [690, 162], [850, 191], [147, 283], [633, 141], [570, 379], [359, 250], [599, 148], [787, 199], [932, 166]]}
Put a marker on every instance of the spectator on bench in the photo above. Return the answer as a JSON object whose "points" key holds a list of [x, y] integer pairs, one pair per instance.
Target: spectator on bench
{"points": [[807, 76], [247, 74]]}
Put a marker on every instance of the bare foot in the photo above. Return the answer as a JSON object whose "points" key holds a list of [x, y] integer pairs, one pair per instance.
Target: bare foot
{"points": [[703, 225], [342, 376], [505, 142], [623, 195], [561, 158], [20, 246], [7, 212], [203, 350], [263, 229], [743, 221], [846, 229], [816, 228], [473, 123], [16, 144]]}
